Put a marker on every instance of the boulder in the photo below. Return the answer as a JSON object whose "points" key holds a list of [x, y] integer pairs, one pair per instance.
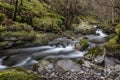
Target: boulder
{"points": [[68, 65], [82, 45], [84, 28], [95, 54]]}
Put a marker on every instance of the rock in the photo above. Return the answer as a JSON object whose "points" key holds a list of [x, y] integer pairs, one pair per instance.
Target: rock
{"points": [[44, 67], [68, 65], [118, 78], [82, 45], [84, 28], [90, 65], [77, 46], [98, 40], [95, 54], [61, 42], [117, 68]]}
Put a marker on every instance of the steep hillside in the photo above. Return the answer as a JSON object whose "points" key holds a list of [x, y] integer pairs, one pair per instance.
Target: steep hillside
{"points": [[31, 17]]}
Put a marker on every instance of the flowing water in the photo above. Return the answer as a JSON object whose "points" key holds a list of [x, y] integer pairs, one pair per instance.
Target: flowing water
{"points": [[58, 48]]}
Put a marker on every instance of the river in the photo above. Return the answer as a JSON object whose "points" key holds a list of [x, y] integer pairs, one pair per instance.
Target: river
{"points": [[58, 48]]}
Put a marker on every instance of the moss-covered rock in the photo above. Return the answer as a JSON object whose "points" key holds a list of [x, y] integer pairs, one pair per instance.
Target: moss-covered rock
{"points": [[19, 27], [95, 54], [84, 28], [82, 45], [117, 30], [4, 44], [19, 74], [19, 35], [44, 38], [113, 45], [10, 25], [16, 39]]}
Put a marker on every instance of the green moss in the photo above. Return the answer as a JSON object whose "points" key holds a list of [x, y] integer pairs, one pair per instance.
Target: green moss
{"points": [[4, 44], [84, 44], [109, 25], [84, 28], [35, 6], [95, 51], [15, 74], [2, 17], [19, 27], [117, 30], [112, 44], [2, 29], [19, 35], [6, 6], [46, 24], [44, 38], [34, 13]]}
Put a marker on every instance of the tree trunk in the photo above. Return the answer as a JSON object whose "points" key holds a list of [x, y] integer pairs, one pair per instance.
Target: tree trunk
{"points": [[21, 3], [16, 9]]}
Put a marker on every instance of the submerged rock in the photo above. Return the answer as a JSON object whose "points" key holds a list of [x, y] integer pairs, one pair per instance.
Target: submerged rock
{"points": [[95, 54]]}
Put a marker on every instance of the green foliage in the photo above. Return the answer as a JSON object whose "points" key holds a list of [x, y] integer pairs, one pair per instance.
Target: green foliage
{"points": [[2, 17], [2, 29], [14, 74]]}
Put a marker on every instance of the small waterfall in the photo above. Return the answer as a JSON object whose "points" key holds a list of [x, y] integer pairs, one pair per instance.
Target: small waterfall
{"points": [[100, 32]]}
